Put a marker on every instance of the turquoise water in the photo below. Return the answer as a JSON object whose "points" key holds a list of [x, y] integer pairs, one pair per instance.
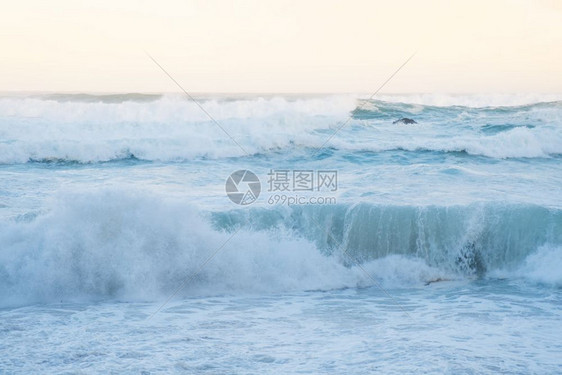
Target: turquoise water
{"points": [[439, 249]]}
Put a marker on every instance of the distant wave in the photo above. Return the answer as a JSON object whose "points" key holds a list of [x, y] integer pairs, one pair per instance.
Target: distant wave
{"points": [[519, 142], [131, 245], [169, 128], [204, 141], [100, 98], [91, 129], [471, 100]]}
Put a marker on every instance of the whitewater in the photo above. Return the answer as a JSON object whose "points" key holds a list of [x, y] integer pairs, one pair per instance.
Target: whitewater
{"points": [[438, 250]]}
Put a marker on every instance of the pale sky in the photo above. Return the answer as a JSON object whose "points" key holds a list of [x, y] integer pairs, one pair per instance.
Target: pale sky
{"points": [[312, 46]]}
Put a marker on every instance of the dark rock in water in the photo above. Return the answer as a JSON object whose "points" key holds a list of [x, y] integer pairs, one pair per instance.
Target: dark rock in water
{"points": [[405, 120]]}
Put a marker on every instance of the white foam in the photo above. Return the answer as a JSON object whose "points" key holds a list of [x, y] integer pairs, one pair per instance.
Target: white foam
{"points": [[515, 143], [543, 266], [520, 142], [167, 129]]}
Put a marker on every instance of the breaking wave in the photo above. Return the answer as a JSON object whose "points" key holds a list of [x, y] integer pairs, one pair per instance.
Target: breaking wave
{"points": [[132, 245], [90, 129]]}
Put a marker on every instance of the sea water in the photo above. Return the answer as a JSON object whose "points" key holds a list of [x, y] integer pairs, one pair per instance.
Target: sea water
{"points": [[434, 247]]}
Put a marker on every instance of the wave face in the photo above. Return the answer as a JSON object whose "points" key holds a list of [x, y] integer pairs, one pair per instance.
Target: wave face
{"points": [[468, 239], [91, 129], [133, 245]]}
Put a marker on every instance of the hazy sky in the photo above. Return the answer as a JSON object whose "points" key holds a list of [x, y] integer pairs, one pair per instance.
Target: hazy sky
{"points": [[282, 46]]}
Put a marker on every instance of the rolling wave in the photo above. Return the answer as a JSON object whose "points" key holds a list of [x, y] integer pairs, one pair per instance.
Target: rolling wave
{"points": [[92, 129], [131, 245]]}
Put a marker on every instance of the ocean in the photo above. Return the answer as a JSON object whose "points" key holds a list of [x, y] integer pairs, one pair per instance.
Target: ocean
{"points": [[280, 234]]}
